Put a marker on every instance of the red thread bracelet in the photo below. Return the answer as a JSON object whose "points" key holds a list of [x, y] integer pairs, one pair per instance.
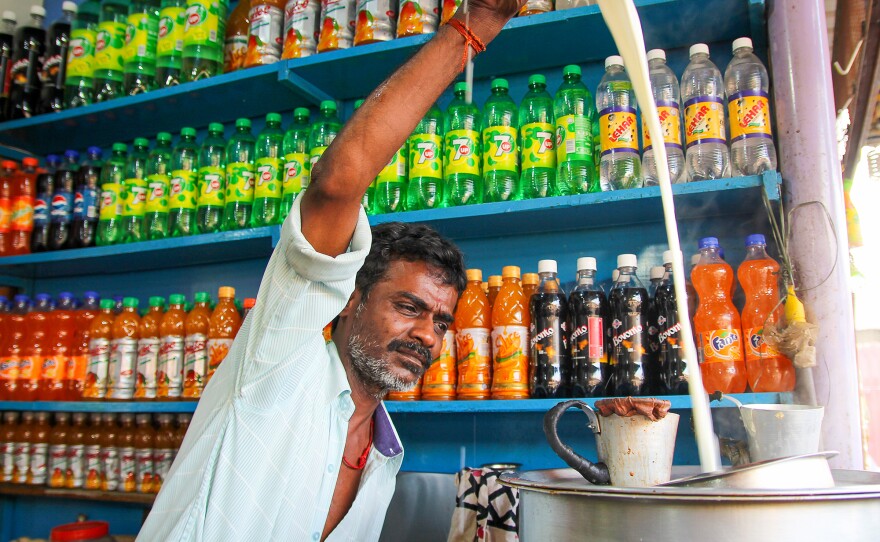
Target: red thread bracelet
{"points": [[470, 40]]}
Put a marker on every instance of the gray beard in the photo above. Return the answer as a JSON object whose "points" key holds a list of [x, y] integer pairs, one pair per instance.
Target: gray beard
{"points": [[371, 371]]}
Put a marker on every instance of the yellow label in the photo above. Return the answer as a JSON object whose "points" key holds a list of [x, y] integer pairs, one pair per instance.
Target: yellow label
{"points": [[704, 121], [499, 149], [574, 138], [108, 46], [670, 123], [425, 156], [171, 23], [268, 178], [395, 170], [135, 197], [81, 54], [157, 193], [462, 155], [184, 192], [315, 155], [538, 149], [111, 201], [617, 129], [296, 172], [212, 181], [749, 115], [240, 182], [140, 38]]}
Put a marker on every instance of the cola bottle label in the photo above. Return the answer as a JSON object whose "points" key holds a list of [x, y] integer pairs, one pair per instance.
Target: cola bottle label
{"points": [[548, 349]]}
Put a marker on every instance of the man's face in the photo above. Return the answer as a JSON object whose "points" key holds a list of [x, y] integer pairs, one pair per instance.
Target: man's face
{"points": [[398, 330]]}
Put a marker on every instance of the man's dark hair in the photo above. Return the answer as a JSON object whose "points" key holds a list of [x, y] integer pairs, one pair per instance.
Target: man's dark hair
{"points": [[412, 243]]}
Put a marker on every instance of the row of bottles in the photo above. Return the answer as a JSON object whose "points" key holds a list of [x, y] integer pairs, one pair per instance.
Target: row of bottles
{"points": [[105, 452]]}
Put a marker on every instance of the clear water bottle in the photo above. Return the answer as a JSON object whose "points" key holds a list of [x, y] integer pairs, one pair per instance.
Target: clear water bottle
{"points": [[667, 95], [747, 84], [702, 90], [620, 166]]}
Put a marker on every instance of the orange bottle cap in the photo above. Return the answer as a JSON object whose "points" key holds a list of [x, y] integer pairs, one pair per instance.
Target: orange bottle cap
{"points": [[474, 274], [531, 278], [494, 281], [510, 271], [226, 291]]}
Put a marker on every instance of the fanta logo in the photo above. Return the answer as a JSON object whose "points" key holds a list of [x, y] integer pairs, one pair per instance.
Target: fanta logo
{"points": [[669, 332], [753, 113], [698, 118], [628, 334], [757, 340], [547, 333], [720, 343], [49, 363], [623, 128]]}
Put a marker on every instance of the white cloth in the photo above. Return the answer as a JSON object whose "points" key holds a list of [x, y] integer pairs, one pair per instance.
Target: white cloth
{"points": [[262, 454], [485, 509]]}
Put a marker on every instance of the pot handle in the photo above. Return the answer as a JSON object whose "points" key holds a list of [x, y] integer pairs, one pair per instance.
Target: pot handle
{"points": [[595, 473]]}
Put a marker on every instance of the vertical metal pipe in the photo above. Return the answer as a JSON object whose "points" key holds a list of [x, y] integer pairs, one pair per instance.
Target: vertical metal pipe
{"points": [[809, 162]]}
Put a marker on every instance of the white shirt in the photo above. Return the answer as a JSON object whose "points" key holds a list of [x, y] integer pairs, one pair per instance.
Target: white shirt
{"points": [[263, 451]]}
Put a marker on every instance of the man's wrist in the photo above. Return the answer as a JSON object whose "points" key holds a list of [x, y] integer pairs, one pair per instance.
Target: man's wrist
{"points": [[485, 24]]}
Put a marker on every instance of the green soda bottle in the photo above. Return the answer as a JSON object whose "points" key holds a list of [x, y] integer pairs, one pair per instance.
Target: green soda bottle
{"points": [[597, 151], [389, 188], [135, 192], [139, 53], [574, 109], [169, 48], [158, 187], [212, 180], [500, 149], [425, 163], [184, 192], [367, 200], [110, 41], [323, 132], [461, 160], [296, 160], [267, 192], [78, 81], [112, 179], [203, 38], [240, 172], [537, 134]]}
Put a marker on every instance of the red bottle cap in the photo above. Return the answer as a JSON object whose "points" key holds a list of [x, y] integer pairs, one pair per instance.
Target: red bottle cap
{"points": [[9, 164], [84, 530], [30, 162]]}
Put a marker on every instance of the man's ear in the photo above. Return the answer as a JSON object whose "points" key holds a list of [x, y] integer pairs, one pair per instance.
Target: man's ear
{"points": [[352, 303]]}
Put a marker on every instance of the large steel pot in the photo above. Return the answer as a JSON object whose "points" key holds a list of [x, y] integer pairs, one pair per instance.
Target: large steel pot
{"points": [[559, 505]]}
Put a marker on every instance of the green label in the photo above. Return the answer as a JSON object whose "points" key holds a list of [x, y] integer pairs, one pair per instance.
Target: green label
{"points": [[211, 183], [395, 171], [81, 54], [108, 46], [268, 178], [574, 138], [184, 193], [111, 201], [140, 38], [499, 149], [157, 193], [171, 22], [315, 155], [135, 197], [296, 172], [462, 154], [240, 182], [537, 146], [425, 158], [202, 23]]}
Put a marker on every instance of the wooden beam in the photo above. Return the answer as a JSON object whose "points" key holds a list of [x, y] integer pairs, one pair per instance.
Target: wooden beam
{"points": [[867, 87]]}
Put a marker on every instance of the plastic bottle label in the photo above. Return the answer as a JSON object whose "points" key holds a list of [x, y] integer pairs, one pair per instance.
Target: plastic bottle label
{"points": [[144, 470], [212, 181], [749, 113], [77, 368], [171, 23], [85, 204], [218, 349], [300, 28], [57, 468], [75, 465], [111, 201], [440, 377], [756, 347], [157, 194], [62, 207], [183, 193], [95, 386], [93, 467], [499, 149], [337, 25], [41, 209], [462, 153], [123, 362], [9, 368], [195, 362], [23, 213], [296, 173], [268, 178], [721, 345], [704, 121], [474, 361], [314, 155], [240, 182], [109, 42], [449, 9], [266, 27], [670, 123], [574, 138], [510, 370], [5, 215], [147, 365], [81, 54], [6, 457], [162, 460], [141, 36], [425, 158], [617, 130], [135, 200], [110, 463], [375, 21], [417, 17], [170, 376], [128, 469], [29, 367], [54, 367], [202, 24], [588, 340], [21, 461], [234, 52], [39, 456], [537, 146], [395, 170]]}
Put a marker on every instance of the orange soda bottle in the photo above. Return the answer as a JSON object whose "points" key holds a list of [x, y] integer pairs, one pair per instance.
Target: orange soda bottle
{"points": [[172, 330], [62, 328], [265, 32], [510, 339], [76, 452], [148, 350], [100, 335], [717, 323], [410, 395], [530, 284], [78, 366], [57, 469], [12, 347], [473, 317], [36, 347], [122, 371], [195, 362], [222, 328], [767, 369], [144, 440], [438, 382], [93, 466], [494, 288], [125, 445], [236, 43]]}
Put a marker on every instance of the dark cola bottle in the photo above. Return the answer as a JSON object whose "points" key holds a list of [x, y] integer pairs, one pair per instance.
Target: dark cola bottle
{"points": [[549, 356], [62, 202], [84, 229], [654, 386], [588, 309], [629, 331], [24, 74], [42, 204], [672, 367]]}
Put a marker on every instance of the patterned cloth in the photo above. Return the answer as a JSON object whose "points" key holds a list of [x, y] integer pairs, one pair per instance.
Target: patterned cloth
{"points": [[261, 457], [485, 509]]}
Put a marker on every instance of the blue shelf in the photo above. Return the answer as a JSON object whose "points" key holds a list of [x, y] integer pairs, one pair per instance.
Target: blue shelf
{"points": [[99, 406]]}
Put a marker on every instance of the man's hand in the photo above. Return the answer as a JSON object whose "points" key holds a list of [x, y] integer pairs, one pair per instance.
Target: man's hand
{"points": [[488, 17]]}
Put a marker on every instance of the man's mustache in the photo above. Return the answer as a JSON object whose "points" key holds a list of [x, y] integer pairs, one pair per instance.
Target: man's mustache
{"points": [[397, 345]]}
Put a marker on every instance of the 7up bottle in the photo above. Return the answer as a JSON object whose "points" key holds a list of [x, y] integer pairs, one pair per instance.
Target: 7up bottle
{"points": [[500, 153], [538, 134], [203, 38], [323, 132], [296, 160], [184, 193], [267, 191], [135, 191], [240, 170], [425, 163], [110, 214], [461, 160], [390, 189], [574, 109], [139, 53], [81, 56], [169, 49], [158, 181], [212, 180], [109, 43]]}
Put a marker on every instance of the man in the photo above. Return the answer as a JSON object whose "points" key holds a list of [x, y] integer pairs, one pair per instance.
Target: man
{"points": [[290, 440]]}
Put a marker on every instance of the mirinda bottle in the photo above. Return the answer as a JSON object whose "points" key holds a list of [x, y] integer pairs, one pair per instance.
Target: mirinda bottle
{"points": [[13, 347], [767, 369], [510, 339], [717, 323], [36, 347], [473, 320], [53, 376]]}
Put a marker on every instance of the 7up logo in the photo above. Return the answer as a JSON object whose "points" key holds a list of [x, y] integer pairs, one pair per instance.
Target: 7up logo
{"points": [[212, 183], [195, 15], [546, 139], [462, 147], [293, 169], [504, 144], [427, 151], [265, 174]]}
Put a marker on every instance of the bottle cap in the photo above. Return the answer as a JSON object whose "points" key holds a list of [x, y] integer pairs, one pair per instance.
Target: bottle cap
{"points": [[273, 117], [108, 304], [202, 297], [177, 299], [613, 60], [328, 105], [30, 162], [215, 127], [187, 132], [39, 11], [667, 256], [109, 417], [531, 278], [250, 302], [510, 272], [627, 260], [461, 86], [71, 156], [586, 263], [120, 147], [242, 123], [52, 158], [21, 298], [537, 79], [43, 297], [547, 266], [709, 242], [656, 53], [226, 291], [301, 112], [62, 417], [95, 151], [500, 83], [69, 6], [698, 48], [494, 281], [571, 69], [141, 142], [163, 137], [474, 274], [657, 272], [157, 301], [130, 302], [95, 418], [358, 103], [144, 418], [756, 239], [739, 43], [9, 164], [9, 16], [65, 295]]}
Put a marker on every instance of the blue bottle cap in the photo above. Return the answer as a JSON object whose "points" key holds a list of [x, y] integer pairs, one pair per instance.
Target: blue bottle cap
{"points": [[118, 297], [20, 298], [71, 156], [65, 295], [755, 239], [96, 151], [709, 242], [91, 295], [52, 158], [43, 297]]}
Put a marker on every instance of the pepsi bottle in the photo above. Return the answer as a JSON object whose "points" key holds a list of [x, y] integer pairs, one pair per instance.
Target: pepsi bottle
{"points": [[62, 202], [588, 306], [672, 368], [83, 230], [42, 203], [549, 356], [629, 330]]}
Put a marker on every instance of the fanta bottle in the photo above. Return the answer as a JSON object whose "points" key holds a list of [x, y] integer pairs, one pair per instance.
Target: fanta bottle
{"points": [[123, 352], [473, 320], [36, 347], [7, 183], [461, 163], [438, 382], [240, 172], [510, 339], [62, 326], [23, 207], [530, 284], [195, 362], [767, 369], [100, 335], [425, 163], [77, 367], [717, 323], [500, 148], [12, 347], [169, 379], [148, 350], [212, 180], [295, 147], [222, 328]]}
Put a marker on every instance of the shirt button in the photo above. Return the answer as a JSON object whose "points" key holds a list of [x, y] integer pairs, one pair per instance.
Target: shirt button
{"points": [[330, 468], [316, 536]]}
